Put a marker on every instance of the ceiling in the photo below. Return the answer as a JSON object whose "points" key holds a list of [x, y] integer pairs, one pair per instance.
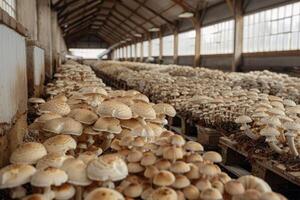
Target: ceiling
{"points": [[117, 20]]}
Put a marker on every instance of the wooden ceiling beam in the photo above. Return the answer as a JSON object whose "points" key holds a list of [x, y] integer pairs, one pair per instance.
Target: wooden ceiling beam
{"points": [[67, 18], [68, 12], [108, 33], [78, 23], [112, 31], [137, 14], [155, 13], [182, 4], [65, 5], [129, 19]]}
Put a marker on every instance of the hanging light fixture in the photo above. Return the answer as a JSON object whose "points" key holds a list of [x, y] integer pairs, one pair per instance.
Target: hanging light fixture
{"points": [[153, 29], [137, 35], [186, 15]]}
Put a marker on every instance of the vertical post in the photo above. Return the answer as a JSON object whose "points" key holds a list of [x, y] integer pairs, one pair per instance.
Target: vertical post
{"points": [[175, 56], [54, 27], [142, 51], [149, 46], [197, 43], [135, 50], [27, 16], [160, 46], [44, 33], [238, 35]]}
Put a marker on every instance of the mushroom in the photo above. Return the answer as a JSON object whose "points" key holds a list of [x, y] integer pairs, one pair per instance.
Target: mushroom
{"points": [[48, 177], [211, 194], [270, 133], [104, 194], [163, 193], [64, 192], [163, 178], [28, 153], [77, 174], [14, 176], [292, 132], [60, 144]]}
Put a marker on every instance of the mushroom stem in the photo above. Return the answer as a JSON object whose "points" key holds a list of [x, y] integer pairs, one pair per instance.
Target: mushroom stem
{"points": [[275, 147], [291, 143], [250, 134], [79, 193], [17, 192]]}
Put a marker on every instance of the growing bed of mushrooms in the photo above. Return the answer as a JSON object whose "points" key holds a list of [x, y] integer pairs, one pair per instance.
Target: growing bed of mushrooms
{"points": [[264, 105], [91, 142]]}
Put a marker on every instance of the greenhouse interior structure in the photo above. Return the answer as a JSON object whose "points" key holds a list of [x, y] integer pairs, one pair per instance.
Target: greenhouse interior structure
{"points": [[150, 99]]}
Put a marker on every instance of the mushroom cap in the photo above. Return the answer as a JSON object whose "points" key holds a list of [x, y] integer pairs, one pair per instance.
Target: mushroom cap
{"points": [[64, 125], [164, 193], [194, 172], [83, 116], [164, 178], [143, 131], [88, 156], [150, 171], [252, 182], [291, 126], [234, 187], [76, 170], [60, 144], [203, 184], [135, 167], [108, 124], [51, 160], [177, 140], [143, 110], [141, 97], [48, 177], [250, 194], [36, 100], [148, 158], [271, 196], [275, 111], [210, 170], [173, 153], [193, 157], [272, 121], [191, 192], [129, 123], [211, 194], [28, 153], [104, 194], [46, 117], [180, 167], [15, 175], [212, 156], [35, 197], [193, 146], [93, 90], [134, 156], [269, 132], [288, 102], [134, 190], [115, 109], [63, 192], [107, 167], [181, 181], [243, 119], [58, 106], [165, 109]]}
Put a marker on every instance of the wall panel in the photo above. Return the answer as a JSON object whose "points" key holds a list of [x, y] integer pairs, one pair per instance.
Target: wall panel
{"points": [[13, 79]]}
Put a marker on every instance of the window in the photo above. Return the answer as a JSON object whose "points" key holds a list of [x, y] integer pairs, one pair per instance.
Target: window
{"points": [[9, 6], [129, 51], [168, 45], [218, 38], [87, 53], [145, 49], [155, 47], [276, 29], [121, 53], [138, 50], [186, 43], [133, 50]]}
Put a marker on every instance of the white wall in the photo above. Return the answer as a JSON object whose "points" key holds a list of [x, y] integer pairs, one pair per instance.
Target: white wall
{"points": [[13, 80]]}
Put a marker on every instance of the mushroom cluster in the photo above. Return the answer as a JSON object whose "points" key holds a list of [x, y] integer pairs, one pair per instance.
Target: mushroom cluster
{"points": [[264, 104], [91, 142]]}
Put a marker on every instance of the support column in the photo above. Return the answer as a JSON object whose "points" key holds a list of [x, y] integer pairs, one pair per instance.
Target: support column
{"points": [[175, 56], [160, 46], [44, 33], [54, 27], [149, 46], [197, 44], [142, 51], [238, 35], [27, 16]]}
